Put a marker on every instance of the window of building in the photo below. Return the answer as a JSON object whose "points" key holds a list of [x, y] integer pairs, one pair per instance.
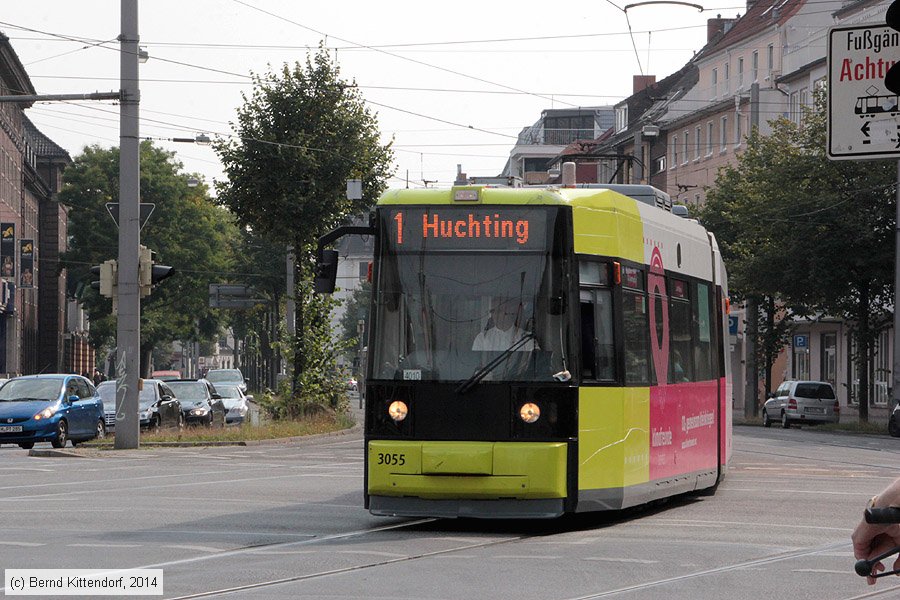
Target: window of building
{"points": [[687, 148], [801, 363], [723, 135], [561, 130], [709, 138], [674, 151], [794, 107], [621, 118], [770, 59], [659, 165], [727, 75], [828, 358], [714, 84], [803, 100], [698, 143], [738, 126], [740, 73], [754, 66], [882, 376]]}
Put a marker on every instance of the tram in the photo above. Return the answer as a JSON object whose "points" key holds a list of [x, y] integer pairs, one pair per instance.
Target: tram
{"points": [[540, 351]]}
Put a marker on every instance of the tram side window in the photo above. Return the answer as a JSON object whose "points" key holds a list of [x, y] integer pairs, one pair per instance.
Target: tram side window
{"points": [[597, 348], [703, 349], [634, 311], [681, 366], [595, 297]]}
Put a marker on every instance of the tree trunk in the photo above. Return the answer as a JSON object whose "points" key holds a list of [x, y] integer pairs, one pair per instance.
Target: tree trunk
{"points": [[770, 344], [146, 358], [751, 382], [862, 346], [299, 310]]}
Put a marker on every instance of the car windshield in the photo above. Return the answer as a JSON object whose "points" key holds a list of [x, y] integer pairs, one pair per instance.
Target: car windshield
{"points": [[107, 391], [191, 391], [222, 375], [229, 391], [822, 391], [17, 390]]}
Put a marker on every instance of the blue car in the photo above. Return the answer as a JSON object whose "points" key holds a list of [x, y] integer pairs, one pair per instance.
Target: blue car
{"points": [[50, 408]]}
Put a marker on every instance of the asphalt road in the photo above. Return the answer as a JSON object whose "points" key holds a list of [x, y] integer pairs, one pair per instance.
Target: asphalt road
{"points": [[286, 522]]}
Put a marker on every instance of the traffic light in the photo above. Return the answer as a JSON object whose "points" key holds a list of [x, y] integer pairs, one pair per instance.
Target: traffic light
{"points": [[149, 272], [108, 273], [326, 270], [892, 18]]}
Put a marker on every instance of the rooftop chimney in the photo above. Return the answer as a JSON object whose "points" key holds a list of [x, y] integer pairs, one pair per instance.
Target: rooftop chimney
{"points": [[717, 26], [641, 82]]}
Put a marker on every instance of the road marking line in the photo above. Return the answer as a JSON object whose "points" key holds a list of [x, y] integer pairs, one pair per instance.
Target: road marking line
{"points": [[197, 548], [621, 560], [23, 544], [104, 545]]}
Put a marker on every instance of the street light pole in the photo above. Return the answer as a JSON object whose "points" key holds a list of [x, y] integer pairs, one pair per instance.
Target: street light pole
{"points": [[128, 331]]}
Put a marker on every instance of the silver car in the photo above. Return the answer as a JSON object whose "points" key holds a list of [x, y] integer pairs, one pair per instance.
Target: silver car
{"points": [[802, 402]]}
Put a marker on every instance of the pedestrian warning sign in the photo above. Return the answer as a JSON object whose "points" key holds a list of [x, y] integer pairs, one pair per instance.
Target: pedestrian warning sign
{"points": [[863, 115]]}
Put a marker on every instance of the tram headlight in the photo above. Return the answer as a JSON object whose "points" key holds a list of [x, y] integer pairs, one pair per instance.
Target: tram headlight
{"points": [[398, 410], [529, 412]]}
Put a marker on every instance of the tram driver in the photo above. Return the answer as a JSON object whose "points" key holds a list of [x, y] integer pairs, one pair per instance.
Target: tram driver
{"points": [[503, 329]]}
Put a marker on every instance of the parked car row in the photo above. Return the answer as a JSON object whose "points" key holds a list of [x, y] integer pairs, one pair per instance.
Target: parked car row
{"points": [[60, 408]]}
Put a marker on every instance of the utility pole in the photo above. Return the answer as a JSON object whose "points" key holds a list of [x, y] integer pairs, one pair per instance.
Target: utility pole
{"points": [[751, 326], [128, 331]]}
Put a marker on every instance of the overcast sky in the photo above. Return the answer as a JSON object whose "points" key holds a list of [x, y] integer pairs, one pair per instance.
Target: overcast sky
{"points": [[452, 83]]}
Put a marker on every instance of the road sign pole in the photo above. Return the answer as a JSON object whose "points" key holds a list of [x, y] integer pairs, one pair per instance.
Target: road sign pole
{"points": [[128, 329], [895, 386]]}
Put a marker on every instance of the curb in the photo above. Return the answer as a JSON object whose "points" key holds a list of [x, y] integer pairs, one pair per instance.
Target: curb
{"points": [[98, 451]]}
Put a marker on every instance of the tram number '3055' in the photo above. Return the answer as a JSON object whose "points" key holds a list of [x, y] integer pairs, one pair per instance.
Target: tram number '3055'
{"points": [[391, 459]]}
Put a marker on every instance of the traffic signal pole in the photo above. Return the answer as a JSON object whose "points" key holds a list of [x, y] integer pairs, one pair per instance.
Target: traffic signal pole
{"points": [[128, 331]]}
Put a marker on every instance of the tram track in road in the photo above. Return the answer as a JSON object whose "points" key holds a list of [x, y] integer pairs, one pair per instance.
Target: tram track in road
{"points": [[783, 556], [333, 572]]}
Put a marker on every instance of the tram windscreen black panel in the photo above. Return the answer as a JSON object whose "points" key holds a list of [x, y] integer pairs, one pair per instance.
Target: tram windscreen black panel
{"points": [[459, 285]]}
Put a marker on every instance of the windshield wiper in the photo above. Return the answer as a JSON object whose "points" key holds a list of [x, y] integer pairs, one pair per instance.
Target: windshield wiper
{"points": [[481, 373]]}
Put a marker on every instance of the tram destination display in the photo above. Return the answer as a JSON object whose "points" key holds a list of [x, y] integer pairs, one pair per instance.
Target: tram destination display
{"points": [[469, 228]]}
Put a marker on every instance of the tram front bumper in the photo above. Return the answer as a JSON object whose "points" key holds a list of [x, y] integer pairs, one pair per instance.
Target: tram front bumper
{"points": [[467, 470]]}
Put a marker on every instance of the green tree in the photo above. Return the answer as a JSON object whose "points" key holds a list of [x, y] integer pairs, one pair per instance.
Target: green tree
{"points": [[261, 264], [357, 308], [300, 135], [186, 230], [815, 234]]}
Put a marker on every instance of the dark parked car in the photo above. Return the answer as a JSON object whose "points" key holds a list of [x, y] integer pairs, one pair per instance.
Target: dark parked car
{"points": [[894, 421], [200, 403], [50, 408], [157, 405]]}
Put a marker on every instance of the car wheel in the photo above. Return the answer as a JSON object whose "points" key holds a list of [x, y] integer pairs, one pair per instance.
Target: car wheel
{"points": [[767, 422], [154, 424], [180, 420], [62, 435], [893, 428], [101, 430], [26, 445], [785, 422]]}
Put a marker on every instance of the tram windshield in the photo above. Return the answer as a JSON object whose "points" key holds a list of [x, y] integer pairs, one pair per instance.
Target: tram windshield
{"points": [[467, 293]]}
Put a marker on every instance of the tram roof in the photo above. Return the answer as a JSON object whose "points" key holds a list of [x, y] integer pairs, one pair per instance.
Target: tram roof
{"points": [[505, 195]]}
